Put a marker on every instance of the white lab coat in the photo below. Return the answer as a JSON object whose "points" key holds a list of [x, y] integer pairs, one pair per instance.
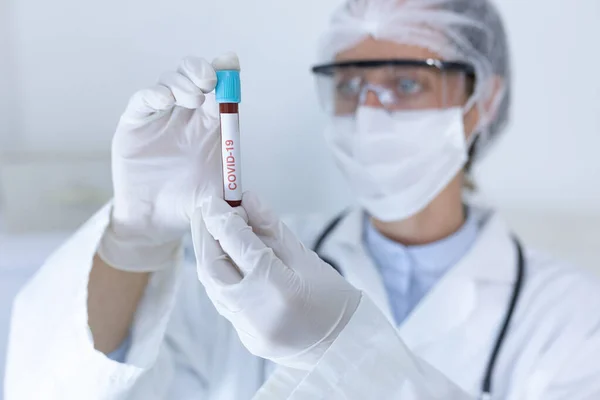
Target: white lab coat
{"points": [[182, 349]]}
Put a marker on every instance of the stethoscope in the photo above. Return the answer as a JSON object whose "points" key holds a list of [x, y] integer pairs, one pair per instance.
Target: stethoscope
{"points": [[486, 385]]}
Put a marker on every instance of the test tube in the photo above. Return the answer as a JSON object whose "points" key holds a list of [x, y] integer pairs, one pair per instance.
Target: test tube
{"points": [[228, 96]]}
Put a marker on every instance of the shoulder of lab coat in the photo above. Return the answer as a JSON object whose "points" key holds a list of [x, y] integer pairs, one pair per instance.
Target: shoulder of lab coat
{"points": [[51, 352], [558, 323], [552, 350]]}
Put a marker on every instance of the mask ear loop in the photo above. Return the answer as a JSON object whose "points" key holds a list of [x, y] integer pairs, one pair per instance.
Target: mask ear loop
{"points": [[471, 143], [487, 111], [471, 104]]}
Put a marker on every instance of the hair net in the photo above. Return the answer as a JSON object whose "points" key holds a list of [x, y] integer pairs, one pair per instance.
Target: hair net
{"points": [[470, 31]]}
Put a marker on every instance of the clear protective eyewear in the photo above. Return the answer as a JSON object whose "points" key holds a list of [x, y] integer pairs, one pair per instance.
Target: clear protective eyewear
{"points": [[395, 85]]}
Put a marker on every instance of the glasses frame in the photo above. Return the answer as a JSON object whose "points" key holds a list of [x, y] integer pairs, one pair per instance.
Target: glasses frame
{"points": [[328, 69]]}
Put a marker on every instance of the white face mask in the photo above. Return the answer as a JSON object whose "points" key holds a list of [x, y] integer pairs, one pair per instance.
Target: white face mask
{"points": [[397, 163]]}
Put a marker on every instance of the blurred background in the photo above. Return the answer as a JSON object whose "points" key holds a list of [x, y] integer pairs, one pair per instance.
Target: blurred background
{"points": [[67, 69]]}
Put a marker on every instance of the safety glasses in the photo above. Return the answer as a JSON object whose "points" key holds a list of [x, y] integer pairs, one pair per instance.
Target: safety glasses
{"points": [[393, 84]]}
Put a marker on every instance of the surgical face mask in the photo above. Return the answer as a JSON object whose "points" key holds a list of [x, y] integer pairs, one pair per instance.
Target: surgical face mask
{"points": [[398, 162]]}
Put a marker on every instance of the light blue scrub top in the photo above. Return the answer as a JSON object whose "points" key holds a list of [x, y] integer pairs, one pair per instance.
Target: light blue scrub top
{"points": [[408, 272]]}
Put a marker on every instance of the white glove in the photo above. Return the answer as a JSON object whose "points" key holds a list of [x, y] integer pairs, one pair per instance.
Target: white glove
{"points": [[165, 158], [285, 303]]}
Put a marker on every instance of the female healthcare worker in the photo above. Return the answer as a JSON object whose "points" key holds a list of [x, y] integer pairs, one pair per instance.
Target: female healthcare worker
{"points": [[437, 299]]}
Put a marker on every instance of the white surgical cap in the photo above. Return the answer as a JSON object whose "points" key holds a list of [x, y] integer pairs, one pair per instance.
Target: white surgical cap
{"points": [[470, 31]]}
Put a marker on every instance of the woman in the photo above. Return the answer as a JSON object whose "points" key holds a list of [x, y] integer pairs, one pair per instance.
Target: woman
{"points": [[439, 301]]}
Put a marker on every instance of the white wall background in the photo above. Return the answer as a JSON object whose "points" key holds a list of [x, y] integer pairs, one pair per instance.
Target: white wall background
{"points": [[8, 90], [549, 158], [67, 68]]}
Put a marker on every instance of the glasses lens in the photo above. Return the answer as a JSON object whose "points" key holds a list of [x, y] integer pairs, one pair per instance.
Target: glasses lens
{"points": [[343, 89]]}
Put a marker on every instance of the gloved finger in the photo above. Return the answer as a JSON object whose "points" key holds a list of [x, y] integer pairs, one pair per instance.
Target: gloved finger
{"points": [[200, 72], [147, 102], [186, 93], [227, 61], [211, 109], [273, 232], [227, 225], [213, 265]]}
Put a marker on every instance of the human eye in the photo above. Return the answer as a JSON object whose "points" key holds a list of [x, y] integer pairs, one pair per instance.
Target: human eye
{"points": [[408, 86], [348, 86]]}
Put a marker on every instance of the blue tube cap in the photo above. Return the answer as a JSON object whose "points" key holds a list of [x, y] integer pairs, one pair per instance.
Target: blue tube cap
{"points": [[228, 88]]}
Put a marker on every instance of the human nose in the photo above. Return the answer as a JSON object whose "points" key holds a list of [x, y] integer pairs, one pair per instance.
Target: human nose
{"points": [[370, 98]]}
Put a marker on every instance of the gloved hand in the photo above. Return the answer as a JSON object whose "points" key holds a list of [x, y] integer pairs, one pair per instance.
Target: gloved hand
{"points": [[165, 158], [285, 303]]}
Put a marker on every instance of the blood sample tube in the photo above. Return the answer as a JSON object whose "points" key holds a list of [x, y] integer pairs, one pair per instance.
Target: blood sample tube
{"points": [[228, 96]]}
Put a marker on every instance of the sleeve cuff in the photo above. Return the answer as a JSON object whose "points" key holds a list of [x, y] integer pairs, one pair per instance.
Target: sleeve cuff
{"points": [[120, 354], [367, 361]]}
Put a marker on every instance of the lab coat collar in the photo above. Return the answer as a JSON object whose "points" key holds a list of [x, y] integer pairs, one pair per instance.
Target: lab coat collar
{"points": [[492, 258], [346, 249]]}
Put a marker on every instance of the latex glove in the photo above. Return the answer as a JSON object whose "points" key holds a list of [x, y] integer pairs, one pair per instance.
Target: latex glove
{"points": [[165, 158], [285, 303]]}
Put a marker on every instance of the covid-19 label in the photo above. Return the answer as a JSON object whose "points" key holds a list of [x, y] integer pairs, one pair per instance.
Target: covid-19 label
{"points": [[230, 146]]}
